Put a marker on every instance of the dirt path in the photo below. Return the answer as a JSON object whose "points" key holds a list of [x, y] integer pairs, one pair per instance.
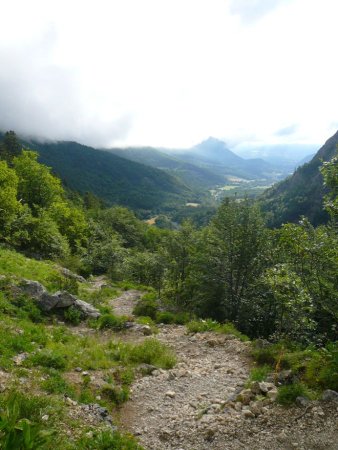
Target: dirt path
{"points": [[124, 305]]}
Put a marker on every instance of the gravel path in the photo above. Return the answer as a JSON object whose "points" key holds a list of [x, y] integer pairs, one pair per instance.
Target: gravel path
{"points": [[124, 305], [187, 408]]}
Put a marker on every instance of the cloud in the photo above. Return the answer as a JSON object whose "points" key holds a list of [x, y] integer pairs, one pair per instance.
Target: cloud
{"points": [[287, 131], [41, 98], [252, 10]]}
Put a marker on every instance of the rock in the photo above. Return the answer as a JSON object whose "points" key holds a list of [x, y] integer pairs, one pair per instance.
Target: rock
{"points": [[87, 309], [64, 299], [265, 387], [245, 396], [330, 396], [146, 330], [70, 401], [18, 359], [47, 302], [255, 389], [272, 395], [170, 394], [302, 401], [212, 342], [285, 377], [247, 414], [146, 369], [31, 288], [2, 388], [78, 369], [45, 417], [69, 274]]}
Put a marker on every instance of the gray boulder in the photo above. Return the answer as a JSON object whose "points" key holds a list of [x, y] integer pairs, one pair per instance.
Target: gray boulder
{"points": [[47, 301], [64, 299], [86, 309], [60, 300], [330, 396], [69, 274], [31, 288]]}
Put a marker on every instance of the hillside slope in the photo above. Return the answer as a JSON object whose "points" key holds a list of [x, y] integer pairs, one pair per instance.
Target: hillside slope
{"points": [[190, 174], [214, 155], [112, 178], [302, 193]]}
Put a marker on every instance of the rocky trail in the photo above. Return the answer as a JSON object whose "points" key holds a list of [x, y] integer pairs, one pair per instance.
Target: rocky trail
{"points": [[193, 406]]}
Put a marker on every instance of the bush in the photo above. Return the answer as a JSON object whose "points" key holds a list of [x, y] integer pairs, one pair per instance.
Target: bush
{"points": [[108, 440], [260, 373], [147, 306], [19, 427], [47, 358], [55, 384], [165, 317], [73, 315], [322, 368], [288, 394], [114, 394], [201, 326], [151, 351], [111, 321]]}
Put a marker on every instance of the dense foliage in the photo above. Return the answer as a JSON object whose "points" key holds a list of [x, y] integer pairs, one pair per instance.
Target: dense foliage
{"points": [[274, 284], [301, 193]]}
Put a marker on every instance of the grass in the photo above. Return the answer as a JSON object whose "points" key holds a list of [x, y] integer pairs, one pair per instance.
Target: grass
{"points": [[314, 370], [13, 263], [259, 373], [202, 326], [97, 297], [150, 351]]}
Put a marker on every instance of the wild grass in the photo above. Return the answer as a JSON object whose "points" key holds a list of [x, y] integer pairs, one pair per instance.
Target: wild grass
{"points": [[13, 263], [313, 369], [202, 326]]}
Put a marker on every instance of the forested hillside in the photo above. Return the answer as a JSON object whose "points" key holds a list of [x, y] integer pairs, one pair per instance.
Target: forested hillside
{"points": [[112, 178], [302, 193], [191, 174]]}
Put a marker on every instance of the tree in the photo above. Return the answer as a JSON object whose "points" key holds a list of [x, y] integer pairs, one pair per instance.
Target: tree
{"points": [[10, 147], [329, 171], [37, 187], [235, 247], [9, 205]]}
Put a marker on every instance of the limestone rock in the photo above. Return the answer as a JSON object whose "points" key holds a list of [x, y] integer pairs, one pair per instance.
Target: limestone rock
{"points": [[330, 396], [170, 394]]}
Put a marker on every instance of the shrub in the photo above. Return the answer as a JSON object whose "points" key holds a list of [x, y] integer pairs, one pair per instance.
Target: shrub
{"points": [[201, 326], [147, 306], [322, 368], [165, 317], [151, 351], [111, 321], [19, 427], [108, 440], [73, 315], [259, 373], [55, 384], [114, 394], [288, 394], [47, 358]]}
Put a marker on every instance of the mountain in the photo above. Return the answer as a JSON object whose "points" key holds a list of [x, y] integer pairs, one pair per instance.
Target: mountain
{"points": [[215, 156], [302, 193], [112, 178], [286, 156], [195, 177]]}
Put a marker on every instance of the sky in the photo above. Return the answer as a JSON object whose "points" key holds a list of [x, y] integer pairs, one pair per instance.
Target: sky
{"points": [[170, 73]]}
